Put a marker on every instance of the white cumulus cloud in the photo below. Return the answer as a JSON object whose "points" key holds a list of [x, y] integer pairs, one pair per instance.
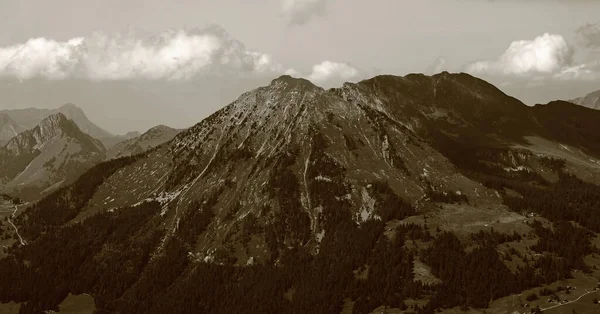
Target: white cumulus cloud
{"points": [[329, 70], [587, 71], [302, 11], [546, 55], [176, 54]]}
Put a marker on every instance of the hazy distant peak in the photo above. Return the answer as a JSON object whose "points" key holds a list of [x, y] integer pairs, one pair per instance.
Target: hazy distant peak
{"points": [[8, 128], [30, 117], [69, 106], [49, 129], [76, 114], [131, 134], [591, 100], [4, 118], [71, 110]]}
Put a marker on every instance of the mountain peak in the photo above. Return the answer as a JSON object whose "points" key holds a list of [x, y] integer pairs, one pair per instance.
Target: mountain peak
{"points": [[153, 137], [69, 106], [158, 130], [591, 100], [160, 127], [77, 114], [51, 128], [56, 125], [293, 82], [54, 120], [132, 134], [31, 117], [72, 111], [53, 151]]}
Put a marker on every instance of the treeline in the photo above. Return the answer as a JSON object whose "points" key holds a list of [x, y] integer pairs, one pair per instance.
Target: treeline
{"points": [[494, 238], [64, 204], [569, 204], [568, 199]]}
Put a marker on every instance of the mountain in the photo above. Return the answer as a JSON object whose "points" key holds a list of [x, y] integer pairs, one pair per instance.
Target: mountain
{"points": [[591, 100], [131, 97], [8, 128], [415, 193], [30, 117], [111, 141], [138, 144], [39, 160]]}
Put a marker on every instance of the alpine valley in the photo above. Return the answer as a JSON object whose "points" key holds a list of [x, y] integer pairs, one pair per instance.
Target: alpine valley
{"points": [[414, 194]]}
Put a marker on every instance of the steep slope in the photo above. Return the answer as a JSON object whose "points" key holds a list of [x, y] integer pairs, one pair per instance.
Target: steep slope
{"points": [[111, 141], [8, 129], [138, 144], [290, 123], [298, 199], [29, 118], [591, 100], [54, 152]]}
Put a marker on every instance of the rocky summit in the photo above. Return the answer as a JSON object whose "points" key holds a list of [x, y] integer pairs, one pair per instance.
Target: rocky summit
{"points": [[39, 160]]}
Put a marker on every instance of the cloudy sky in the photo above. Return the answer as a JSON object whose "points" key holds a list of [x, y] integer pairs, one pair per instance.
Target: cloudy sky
{"points": [[134, 64]]}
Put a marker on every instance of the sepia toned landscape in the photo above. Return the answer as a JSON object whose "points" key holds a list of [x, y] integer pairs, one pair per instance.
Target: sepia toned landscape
{"points": [[445, 167]]}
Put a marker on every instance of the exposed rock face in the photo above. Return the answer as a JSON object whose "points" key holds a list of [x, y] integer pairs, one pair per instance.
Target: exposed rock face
{"points": [[53, 152], [29, 118], [290, 150]]}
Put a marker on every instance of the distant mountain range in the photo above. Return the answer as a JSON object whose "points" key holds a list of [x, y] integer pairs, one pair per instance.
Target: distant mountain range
{"points": [[42, 150], [111, 141], [139, 144], [23, 119], [591, 100], [39, 160], [9, 128]]}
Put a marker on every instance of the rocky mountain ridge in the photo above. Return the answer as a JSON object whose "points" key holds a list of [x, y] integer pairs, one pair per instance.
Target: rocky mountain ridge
{"points": [[30, 117], [54, 151], [410, 132], [379, 193]]}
